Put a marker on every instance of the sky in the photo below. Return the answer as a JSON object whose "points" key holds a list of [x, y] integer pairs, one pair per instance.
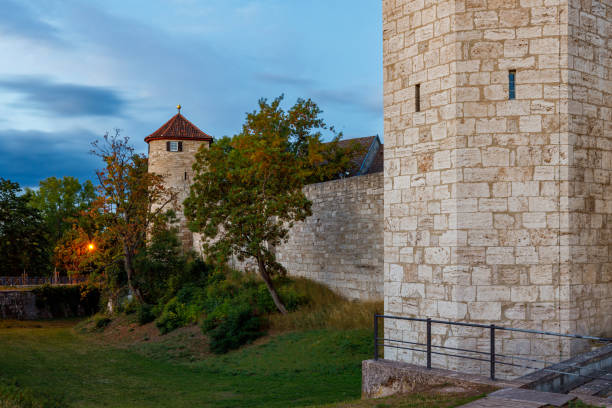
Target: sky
{"points": [[72, 70]]}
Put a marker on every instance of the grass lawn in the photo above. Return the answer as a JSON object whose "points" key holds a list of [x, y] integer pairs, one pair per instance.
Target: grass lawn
{"points": [[294, 369], [315, 367]]}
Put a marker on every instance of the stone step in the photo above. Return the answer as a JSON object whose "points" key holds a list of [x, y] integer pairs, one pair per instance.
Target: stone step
{"points": [[599, 387], [545, 398], [491, 402]]}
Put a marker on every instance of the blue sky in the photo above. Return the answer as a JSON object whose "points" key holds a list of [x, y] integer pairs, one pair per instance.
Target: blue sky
{"points": [[72, 70]]}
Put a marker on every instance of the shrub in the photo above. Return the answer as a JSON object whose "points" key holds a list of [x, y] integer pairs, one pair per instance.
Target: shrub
{"points": [[183, 309], [66, 301], [239, 326], [101, 321], [145, 313], [130, 306]]}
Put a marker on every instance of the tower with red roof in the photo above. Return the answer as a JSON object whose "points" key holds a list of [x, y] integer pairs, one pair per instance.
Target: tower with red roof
{"points": [[172, 150]]}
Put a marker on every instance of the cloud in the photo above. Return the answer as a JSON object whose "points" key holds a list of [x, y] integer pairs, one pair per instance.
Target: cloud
{"points": [[30, 156], [367, 101], [18, 20], [64, 99], [284, 79]]}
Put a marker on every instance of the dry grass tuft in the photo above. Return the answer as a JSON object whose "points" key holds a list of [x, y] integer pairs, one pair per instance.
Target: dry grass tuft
{"points": [[326, 310]]}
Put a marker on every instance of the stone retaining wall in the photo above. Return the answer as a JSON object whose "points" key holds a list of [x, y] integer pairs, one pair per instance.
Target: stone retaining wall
{"points": [[18, 304]]}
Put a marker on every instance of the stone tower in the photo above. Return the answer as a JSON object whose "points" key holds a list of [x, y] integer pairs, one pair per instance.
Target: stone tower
{"points": [[498, 161], [172, 150]]}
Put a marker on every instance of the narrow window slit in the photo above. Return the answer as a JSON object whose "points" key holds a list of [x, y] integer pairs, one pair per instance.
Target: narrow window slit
{"points": [[512, 84], [417, 98]]}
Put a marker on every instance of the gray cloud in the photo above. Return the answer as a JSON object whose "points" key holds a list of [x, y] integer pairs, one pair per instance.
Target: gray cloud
{"points": [[68, 100], [360, 100], [284, 79], [30, 156], [19, 20]]}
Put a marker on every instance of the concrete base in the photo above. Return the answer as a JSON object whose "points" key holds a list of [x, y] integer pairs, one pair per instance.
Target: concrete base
{"points": [[381, 378]]}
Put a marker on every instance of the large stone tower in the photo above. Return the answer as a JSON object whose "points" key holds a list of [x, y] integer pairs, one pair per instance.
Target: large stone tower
{"points": [[498, 162], [172, 150]]}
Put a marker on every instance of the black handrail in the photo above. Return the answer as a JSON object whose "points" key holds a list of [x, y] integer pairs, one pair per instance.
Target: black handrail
{"points": [[491, 353]]}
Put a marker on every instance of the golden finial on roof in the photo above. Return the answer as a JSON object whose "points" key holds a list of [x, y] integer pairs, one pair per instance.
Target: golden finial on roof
{"points": [[179, 108]]}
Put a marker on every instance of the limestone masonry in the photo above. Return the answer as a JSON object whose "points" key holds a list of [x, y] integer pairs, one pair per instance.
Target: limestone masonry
{"points": [[498, 203], [341, 244]]}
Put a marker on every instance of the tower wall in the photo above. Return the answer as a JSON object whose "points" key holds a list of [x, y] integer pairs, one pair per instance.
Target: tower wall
{"points": [[495, 209], [176, 168], [589, 107]]}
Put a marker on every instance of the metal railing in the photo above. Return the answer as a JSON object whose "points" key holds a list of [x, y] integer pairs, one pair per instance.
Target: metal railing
{"points": [[491, 355], [24, 281]]}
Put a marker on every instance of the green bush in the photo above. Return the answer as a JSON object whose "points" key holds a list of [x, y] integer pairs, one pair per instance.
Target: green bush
{"points": [[68, 301], [130, 306], [101, 321], [231, 306], [239, 326], [183, 309], [145, 313]]}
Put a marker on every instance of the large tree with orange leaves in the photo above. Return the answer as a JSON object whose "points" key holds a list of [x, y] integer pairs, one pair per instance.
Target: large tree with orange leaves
{"points": [[130, 199], [247, 192]]}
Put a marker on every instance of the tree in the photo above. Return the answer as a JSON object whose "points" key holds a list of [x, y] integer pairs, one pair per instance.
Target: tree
{"points": [[23, 243], [60, 201], [247, 190], [130, 199]]}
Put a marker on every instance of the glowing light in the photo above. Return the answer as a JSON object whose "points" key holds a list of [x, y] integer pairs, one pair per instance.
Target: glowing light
{"points": [[91, 247]]}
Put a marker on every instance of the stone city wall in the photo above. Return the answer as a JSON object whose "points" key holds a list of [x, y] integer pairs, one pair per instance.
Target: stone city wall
{"points": [[341, 244]]}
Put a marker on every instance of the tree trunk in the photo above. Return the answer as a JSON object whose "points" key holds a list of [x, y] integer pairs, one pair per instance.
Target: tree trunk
{"points": [[127, 263], [264, 274]]}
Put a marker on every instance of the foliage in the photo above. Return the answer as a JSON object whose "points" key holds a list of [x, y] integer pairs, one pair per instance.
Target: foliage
{"points": [[23, 241], [247, 190], [233, 306], [13, 395], [158, 264], [240, 326], [67, 301], [185, 308], [130, 199], [101, 321], [60, 202], [145, 313]]}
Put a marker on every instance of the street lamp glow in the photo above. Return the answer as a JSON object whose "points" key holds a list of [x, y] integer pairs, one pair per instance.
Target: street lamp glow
{"points": [[90, 247]]}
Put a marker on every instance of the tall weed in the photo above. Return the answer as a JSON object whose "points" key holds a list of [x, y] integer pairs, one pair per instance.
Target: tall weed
{"points": [[325, 310]]}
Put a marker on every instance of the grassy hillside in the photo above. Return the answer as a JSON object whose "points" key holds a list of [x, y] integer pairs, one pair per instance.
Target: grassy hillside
{"points": [[294, 369]]}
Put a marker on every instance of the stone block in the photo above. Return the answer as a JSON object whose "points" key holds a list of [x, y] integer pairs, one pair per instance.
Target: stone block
{"points": [[484, 311]]}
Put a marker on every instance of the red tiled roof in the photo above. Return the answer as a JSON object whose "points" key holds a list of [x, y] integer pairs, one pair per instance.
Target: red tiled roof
{"points": [[178, 128]]}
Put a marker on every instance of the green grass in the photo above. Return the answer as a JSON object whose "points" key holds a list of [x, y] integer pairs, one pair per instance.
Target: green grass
{"points": [[415, 400], [295, 369]]}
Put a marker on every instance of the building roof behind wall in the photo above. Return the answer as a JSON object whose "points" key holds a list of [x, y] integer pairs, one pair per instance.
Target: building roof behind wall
{"points": [[369, 159]]}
